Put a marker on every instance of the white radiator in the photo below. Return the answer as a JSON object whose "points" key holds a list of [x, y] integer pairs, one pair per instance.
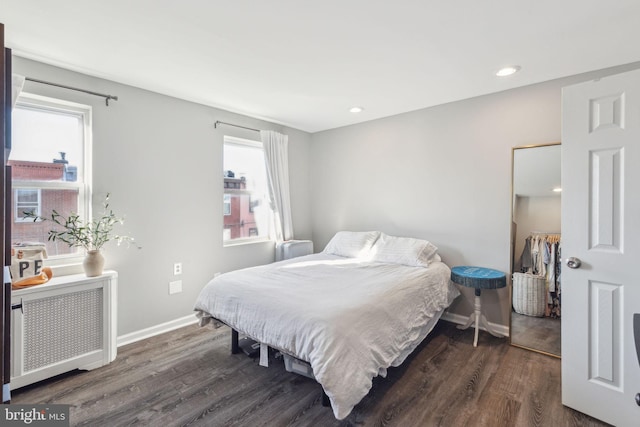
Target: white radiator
{"points": [[67, 323], [293, 248]]}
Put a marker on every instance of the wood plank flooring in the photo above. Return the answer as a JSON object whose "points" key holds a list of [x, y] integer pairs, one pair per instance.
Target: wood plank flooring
{"points": [[188, 377], [541, 333]]}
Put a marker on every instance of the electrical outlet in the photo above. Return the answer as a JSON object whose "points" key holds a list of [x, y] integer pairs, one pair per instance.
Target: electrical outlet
{"points": [[175, 287], [177, 268]]}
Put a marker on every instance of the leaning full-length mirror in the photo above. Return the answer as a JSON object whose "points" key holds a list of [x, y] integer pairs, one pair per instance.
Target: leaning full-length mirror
{"points": [[536, 248]]}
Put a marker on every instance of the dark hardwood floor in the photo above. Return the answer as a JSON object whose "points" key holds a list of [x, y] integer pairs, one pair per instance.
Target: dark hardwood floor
{"points": [[189, 377], [541, 333]]}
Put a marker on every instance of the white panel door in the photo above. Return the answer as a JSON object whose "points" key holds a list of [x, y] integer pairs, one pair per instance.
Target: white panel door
{"points": [[601, 228]]}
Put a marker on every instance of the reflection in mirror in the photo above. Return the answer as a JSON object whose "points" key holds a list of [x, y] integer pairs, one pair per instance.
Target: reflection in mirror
{"points": [[535, 248]]}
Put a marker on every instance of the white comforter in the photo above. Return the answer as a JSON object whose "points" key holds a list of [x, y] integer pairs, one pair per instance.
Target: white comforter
{"points": [[350, 319]]}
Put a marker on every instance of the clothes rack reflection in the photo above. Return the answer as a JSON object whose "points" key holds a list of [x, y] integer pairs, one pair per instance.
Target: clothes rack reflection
{"points": [[541, 257]]}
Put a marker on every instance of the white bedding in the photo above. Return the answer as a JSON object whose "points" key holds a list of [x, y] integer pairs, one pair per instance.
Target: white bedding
{"points": [[350, 319]]}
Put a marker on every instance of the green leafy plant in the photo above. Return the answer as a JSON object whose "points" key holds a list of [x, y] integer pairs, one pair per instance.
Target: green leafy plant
{"points": [[93, 235]]}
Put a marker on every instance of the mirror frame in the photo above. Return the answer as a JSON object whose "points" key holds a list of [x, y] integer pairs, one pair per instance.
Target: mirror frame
{"points": [[512, 246]]}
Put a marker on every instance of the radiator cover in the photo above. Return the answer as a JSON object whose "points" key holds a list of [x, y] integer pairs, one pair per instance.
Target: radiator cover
{"points": [[68, 323], [293, 248]]}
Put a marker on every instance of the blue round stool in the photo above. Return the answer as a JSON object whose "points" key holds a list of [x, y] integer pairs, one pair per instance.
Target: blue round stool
{"points": [[478, 278]]}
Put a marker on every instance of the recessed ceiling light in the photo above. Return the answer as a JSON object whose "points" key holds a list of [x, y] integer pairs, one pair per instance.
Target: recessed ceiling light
{"points": [[557, 189], [356, 109], [507, 71]]}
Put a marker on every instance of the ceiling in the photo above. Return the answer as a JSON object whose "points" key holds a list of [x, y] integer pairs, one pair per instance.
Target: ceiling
{"points": [[304, 64]]}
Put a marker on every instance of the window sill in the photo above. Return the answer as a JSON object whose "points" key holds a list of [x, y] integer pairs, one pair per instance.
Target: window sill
{"points": [[241, 242], [65, 266], [67, 269]]}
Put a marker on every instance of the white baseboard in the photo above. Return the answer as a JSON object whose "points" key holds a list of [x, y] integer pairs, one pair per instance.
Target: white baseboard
{"points": [[461, 320], [191, 319], [156, 330]]}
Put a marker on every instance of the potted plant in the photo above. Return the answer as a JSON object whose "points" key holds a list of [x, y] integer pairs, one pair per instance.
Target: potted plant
{"points": [[91, 236]]}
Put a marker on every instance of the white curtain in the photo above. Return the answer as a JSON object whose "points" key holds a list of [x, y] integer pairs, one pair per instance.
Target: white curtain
{"points": [[17, 82], [277, 158]]}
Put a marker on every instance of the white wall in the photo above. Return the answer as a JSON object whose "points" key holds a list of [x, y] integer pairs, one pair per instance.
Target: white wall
{"points": [[161, 160], [442, 173]]}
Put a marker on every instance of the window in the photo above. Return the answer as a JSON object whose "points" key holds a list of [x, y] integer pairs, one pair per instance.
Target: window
{"points": [[50, 158], [227, 204], [27, 200], [245, 207]]}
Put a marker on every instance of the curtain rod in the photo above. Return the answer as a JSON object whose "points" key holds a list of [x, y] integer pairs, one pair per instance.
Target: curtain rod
{"points": [[102, 95], [218, 122]]}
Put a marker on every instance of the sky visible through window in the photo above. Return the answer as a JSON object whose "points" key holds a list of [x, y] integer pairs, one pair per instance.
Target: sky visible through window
{"points": [[246, 161], [40, 136]]}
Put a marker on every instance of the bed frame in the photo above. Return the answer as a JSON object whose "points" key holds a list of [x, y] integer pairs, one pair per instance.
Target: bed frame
{"points": [[235, 349]]}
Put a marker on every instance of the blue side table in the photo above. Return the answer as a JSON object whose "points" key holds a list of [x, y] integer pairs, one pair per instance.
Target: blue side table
{"points": [[478, 278]]}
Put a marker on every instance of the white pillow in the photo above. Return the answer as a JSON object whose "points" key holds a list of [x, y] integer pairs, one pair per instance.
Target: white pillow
{"points": [[352, 244], [404, 250]]}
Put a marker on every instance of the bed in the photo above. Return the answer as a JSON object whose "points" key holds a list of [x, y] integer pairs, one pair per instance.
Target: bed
{"points": [[352, 311]]}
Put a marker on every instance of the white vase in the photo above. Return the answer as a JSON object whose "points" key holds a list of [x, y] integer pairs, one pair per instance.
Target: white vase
{"points": [[93, 263]]}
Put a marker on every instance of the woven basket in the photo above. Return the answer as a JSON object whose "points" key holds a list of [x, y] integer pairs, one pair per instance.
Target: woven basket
{"points": [[529, 294]]}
